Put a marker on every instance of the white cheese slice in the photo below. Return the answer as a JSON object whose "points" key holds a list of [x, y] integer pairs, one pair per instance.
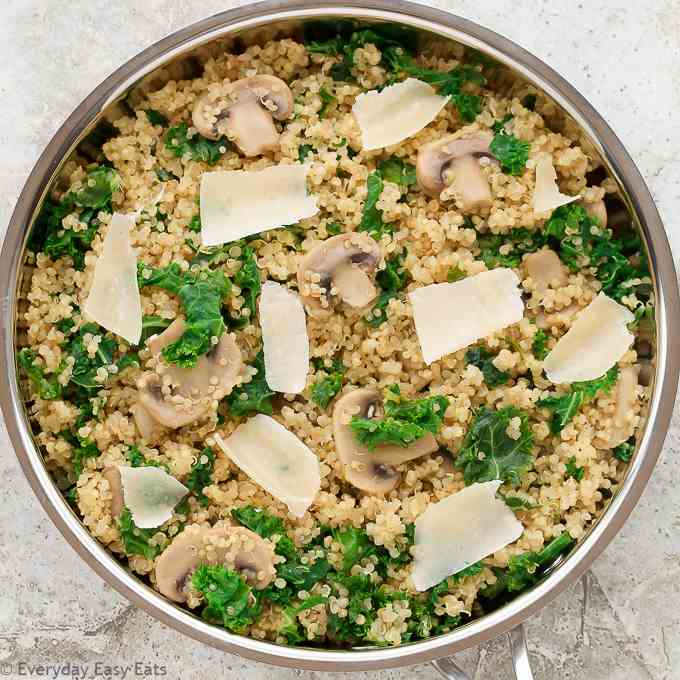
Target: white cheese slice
{"points": [[239, 203], [284, 339], [547, 195], [460, 530], [450, 316], [113, 301], [597, 339], [150, 494], [396, 112], [275, 459]]}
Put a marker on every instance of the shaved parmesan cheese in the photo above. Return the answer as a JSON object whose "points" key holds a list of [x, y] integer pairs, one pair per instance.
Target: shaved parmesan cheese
{"points": [[284, 339], [275, 459], [547, 195], [598, 338], [150, 494], [396, 112], [114, 301], [460, 530], [239, 203], [450, 316]]}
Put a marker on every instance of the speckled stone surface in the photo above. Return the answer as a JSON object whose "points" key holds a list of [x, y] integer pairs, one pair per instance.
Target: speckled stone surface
{"points": [[622, 622]]}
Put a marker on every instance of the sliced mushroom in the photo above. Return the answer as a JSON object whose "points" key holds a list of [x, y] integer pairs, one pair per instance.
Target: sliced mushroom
{"points": [[235, 547], [150, 430], [244, 112], [169, 410], [546, 269], [625, 397], [371, 471], [455, 161], [112, 475], [215, 373], [178, 396], [341, 268], [598, 210]]}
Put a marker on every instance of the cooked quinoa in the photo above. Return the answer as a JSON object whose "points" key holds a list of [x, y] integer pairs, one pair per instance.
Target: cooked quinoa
{"points": [[341, 573]]}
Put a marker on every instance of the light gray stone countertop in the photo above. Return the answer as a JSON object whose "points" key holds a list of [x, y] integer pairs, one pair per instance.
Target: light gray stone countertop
{"points": [[622, 622]]}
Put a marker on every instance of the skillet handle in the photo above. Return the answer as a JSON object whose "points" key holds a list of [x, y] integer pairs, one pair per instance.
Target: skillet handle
{"points": [[450, 670]]}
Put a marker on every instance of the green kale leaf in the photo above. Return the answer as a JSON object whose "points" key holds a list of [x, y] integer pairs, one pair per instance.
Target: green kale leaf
{"points": [[539, 345], [290, 627], [574, 470], [525, 570], [247, 278], [200, 475], [565, 407], [254, 396], [448, 83], [512, 153], [196, 147], [488, 452], [229, 600], [47, 386], [405, 420], [391, 280], [201, 295], [397, 171], [371, 218], [624, 452], [618, 262], [325, 389], [304, 150], [482, 358], [136, 541], [327, 99], [155, 117]]}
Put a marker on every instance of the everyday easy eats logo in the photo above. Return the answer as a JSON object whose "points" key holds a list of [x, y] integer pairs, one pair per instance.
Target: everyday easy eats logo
{"points": [[99, 669]]}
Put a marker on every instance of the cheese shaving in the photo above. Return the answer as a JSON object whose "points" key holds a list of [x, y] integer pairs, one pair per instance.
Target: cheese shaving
{"points": [[547, 194], [113, 301], [275, 459], [284, 339], [597, 339], [150, 494], [239, 203], [396, 112], [451, 316], [460, 530]]}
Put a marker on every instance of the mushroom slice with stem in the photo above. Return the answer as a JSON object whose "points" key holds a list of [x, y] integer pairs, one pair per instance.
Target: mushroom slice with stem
{"points": [[625, 397], [112, 475], [234, 547], [168, 409], [341, 268], [215, 373], [371, 471], [546, 269], [244, 111], [176, 396], [456, 162]]}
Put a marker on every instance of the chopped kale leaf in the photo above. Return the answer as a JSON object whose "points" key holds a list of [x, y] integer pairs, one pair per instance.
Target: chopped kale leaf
{"points": [[482, 358], [201, 295], [566, 406], [200, 475], [391, 280], [254, 396], [195, 147], [229, 600], [325, 389], [47, 386], [488, 451], [405, 420]]}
